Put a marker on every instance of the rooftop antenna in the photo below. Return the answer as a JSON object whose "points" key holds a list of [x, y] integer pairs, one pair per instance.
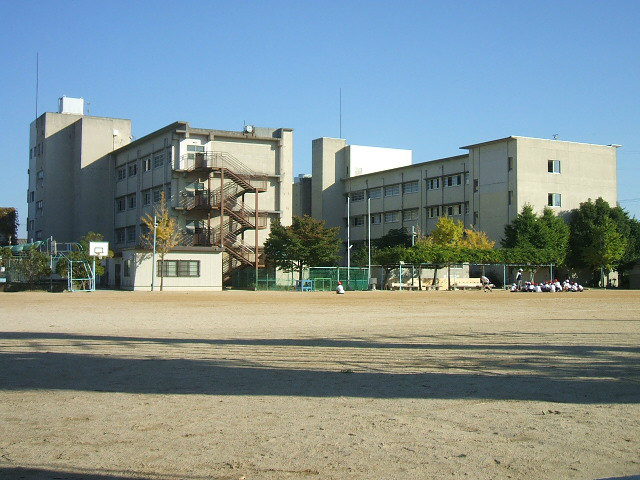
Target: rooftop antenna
{"points": [[37, 77], [340, 113]]}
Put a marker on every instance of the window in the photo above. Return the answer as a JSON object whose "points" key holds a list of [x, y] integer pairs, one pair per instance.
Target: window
{"points": [[453, 210], [146, 197], [39, 235], [376, 218], [553, 166], [554, 200], [391, 217], [357, 221], [39, 178], [392, 190], [357, 196], [475, 185], [466, 207], [178, 268], [409, 215], [156, 195], [433, 183], [146, 163], [195, 148], [453, 180], [131, 201], [433, 212], [158, 160], [120, 204], [410, 187], [121, 173], [31, 196], [375, 192], [120, 233], [167, 193], [509, 197], [126, 268], [31, 224], [131, 234], [475, 218], [133, 169], [39, 205], [510, 163]]}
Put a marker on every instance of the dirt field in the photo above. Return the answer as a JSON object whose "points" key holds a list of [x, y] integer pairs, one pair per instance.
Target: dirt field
{"points": [[369, 385]]}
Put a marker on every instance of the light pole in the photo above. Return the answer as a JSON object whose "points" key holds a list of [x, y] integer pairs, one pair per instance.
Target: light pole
{"points": [[369, 240], [153, 261]]}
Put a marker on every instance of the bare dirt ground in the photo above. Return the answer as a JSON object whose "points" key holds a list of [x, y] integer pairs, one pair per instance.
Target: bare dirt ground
{"points": [[368, 385]]}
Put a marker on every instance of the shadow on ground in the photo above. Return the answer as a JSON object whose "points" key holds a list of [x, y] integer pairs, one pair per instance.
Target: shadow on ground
{"points": [[25, 473], [576, 374]]}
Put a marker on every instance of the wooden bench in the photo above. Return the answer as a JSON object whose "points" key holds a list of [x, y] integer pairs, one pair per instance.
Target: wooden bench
{"points": [[464, 283]]}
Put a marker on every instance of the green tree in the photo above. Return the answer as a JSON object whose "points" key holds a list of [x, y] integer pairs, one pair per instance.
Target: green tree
{"points": [[599, 237], [390, 257], [32, 265], [8, 226], [305, 243], [167, 233], [395, 236]]}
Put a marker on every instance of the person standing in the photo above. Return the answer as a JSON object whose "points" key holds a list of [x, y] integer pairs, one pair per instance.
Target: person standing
{"points": [[519, 279]]}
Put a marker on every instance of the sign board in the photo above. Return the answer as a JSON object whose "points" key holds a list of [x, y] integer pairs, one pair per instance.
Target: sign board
{"points": [[98, 249]]}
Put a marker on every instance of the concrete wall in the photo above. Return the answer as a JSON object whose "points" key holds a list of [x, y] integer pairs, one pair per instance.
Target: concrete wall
{"points": [[363, 160], [328, 170], [71, 153]]}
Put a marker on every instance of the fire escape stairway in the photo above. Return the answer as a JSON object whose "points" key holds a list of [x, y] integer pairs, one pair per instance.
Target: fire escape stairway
{"points": [[239, 180]]}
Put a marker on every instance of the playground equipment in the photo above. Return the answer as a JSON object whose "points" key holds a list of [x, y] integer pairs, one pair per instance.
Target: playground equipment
{"points": [[81, 275]]}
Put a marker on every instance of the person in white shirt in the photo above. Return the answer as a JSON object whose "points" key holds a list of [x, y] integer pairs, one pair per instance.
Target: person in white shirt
{"points": [[486, 283], [340, 289]]}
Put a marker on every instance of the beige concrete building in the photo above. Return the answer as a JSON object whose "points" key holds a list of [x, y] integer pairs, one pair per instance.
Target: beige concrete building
{"points": [[485, 188], [69, 193], [224, 188]]}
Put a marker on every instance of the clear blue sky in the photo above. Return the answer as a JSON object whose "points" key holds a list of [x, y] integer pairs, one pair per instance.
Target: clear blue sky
{"points": [[427, 76]]}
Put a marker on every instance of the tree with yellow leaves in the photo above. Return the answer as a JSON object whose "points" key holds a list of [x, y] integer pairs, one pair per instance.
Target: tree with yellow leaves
{"points": [[167, 233]]}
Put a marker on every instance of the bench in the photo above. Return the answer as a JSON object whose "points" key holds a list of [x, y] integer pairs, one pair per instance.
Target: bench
{"points": [[405, 286], [427, 284], [464, 283]]}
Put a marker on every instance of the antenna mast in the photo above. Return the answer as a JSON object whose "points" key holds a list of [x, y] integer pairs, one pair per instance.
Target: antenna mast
{"points": [[37, 77], [340, 113]]}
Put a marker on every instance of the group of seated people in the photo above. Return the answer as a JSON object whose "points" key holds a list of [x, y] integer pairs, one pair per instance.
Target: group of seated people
{"points": [[548, 286]]}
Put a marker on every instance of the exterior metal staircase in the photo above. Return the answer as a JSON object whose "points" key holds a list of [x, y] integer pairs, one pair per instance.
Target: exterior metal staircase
{"points": [[227, 200]]}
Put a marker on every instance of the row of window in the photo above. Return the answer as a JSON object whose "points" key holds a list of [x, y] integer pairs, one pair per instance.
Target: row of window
{"points": [[147, 163], [149, 197], [448, 210], [169, 268], [126, 235], [389, 217]]}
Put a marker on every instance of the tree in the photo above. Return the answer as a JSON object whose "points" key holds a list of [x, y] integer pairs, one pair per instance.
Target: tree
{"points": [[390, 257], [306, 242], [8, 226], [32, 265], [534, 240], [167, 233], [606, 248], [599, 236], [395, 236]]}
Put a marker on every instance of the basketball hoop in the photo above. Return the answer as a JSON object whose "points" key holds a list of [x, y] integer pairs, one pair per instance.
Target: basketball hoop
{"points": [[98, 249]]}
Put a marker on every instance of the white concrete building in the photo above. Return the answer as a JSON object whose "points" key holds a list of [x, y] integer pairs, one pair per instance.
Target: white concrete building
{"points": [[485, 188]]}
